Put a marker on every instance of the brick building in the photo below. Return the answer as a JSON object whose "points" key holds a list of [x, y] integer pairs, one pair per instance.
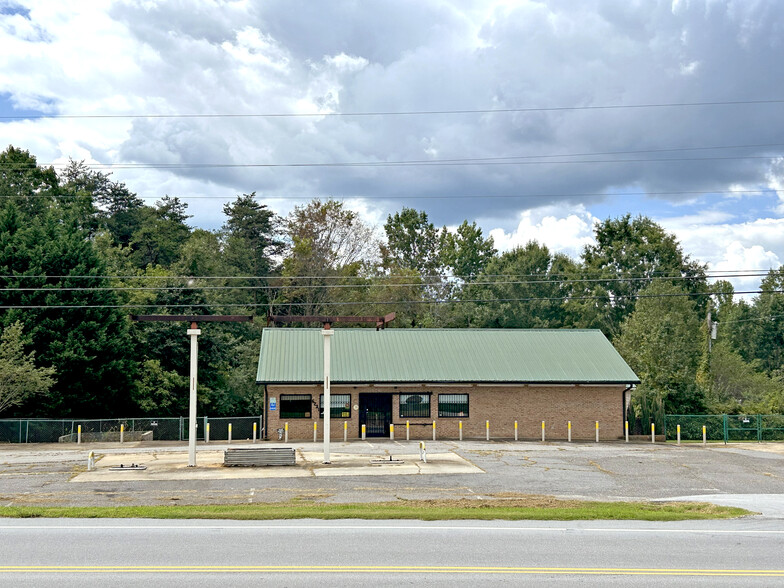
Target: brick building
{"points": [[446, 376]]}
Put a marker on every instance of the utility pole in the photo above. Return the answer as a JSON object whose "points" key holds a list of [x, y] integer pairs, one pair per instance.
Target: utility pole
{"points": [[193, 332]]}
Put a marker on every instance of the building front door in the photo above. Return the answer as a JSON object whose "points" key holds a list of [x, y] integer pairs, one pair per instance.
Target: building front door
{"points": [[375, 412]]}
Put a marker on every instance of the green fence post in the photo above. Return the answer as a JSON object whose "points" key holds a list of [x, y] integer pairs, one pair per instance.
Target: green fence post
{"points": [[180, 428], [759, 428], [726, 425]]}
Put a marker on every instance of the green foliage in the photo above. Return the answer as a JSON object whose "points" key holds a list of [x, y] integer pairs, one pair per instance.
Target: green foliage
{"points": [[636, 250], [515, 278], [465, 251], [20, 379], [660, 340], [736, 386], [413, 242]]}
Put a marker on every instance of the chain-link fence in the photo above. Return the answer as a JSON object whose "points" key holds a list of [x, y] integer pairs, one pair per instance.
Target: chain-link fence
{"points": [[725, 427], [158, 429]]}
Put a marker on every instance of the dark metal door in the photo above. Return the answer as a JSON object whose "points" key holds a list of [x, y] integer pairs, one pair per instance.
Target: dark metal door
{"points": [[375, 412]]}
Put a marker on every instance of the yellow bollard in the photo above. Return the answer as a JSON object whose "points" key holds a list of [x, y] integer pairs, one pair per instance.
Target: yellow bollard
{"points": [[79, 435], [315, 431], [363, 432], [653, 432], [515, 430], [597, 431], [459, 429], [569, 431], [254, 432], [408, 434], [345, 431], [678, 428], [542, 430], [487, 430], [122, 433], [207, 433], [626, 427], [229, 433], [704, 435], [392, 431], [286, 432], [434, 430]]}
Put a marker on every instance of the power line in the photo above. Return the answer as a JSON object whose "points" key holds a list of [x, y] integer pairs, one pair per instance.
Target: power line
{"points": [[383, 284], [397, 113], [452, 196], [367, 303], [717, 274], [411, 163]]}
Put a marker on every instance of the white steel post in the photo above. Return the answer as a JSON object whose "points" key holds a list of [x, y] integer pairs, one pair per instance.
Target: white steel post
{"points": [[515, 430], [327, 402], [391, 431], [434, 430], [207, 433], [653, 432], [363, 432], [704, 435], [122, 433], [254, 432], [626, 429], [569, 431], [286, 432], [459, 428], [193, 333], [487, 430], [79, 435], [345, 431], [597, 431], [542, 430], [408, 432], [315, 431], [229, 433]]}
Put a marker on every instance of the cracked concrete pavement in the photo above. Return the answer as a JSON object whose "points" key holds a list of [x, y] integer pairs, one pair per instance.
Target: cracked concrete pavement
{"points": [[56, 474]]}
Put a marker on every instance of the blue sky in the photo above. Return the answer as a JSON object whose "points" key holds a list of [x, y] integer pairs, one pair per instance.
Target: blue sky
{"points": [[709, 71]]}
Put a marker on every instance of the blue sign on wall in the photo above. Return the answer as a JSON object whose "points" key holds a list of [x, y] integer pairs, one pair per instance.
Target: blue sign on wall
{"points": [[273, 403]]}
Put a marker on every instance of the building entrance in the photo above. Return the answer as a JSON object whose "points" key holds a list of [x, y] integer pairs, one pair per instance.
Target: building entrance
{"points": [[375, 412]]}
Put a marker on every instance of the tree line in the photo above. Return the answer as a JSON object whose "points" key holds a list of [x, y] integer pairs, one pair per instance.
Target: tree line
{"points": [[80, 253]]}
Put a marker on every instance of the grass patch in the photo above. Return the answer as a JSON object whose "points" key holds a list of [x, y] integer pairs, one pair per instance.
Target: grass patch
{"points": [[531, 508]]}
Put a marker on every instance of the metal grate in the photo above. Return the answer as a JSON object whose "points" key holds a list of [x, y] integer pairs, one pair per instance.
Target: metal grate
{"points": [[452, 405], [415, 405]]}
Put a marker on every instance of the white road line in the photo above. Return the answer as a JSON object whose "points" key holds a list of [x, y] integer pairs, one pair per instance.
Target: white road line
{"points": [[213, 527]]}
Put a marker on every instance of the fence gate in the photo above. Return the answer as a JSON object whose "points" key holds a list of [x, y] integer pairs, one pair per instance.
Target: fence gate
{"points": [[725, 427]]}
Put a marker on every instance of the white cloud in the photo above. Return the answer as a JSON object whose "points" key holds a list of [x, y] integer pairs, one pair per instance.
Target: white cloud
{"points": [[561, 231]]}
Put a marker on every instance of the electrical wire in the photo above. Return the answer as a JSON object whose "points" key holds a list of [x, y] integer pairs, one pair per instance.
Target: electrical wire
{"points": [[368, 303], [397, 113]]}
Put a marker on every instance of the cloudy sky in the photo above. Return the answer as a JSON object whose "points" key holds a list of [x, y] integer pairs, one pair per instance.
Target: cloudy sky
{"points": [[534, 119]]}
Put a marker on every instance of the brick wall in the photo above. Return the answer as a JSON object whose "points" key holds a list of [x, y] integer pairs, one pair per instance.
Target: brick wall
{"points": [[501, 405]]}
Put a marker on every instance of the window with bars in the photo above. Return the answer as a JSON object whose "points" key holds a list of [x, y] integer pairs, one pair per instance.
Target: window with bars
{"points": [[415, 405], [296, 406], [452, 405], [340, 406]]}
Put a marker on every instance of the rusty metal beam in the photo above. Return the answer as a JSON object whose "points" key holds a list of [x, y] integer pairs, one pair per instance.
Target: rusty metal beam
{"points": [[380, 321]]}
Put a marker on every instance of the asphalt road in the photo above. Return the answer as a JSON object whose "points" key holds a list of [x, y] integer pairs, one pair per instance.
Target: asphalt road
{"points": [[353, 553]]}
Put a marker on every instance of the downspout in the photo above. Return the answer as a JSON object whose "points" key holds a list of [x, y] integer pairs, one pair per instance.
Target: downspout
{"points": [[623, 408], [264, 413]]}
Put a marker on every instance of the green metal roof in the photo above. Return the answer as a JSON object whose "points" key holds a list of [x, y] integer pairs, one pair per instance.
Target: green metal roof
{"points": [[290, 356]]}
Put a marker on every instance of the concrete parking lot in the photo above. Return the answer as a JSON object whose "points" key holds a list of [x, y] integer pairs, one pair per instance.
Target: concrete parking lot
{"points": [[751, 475]]}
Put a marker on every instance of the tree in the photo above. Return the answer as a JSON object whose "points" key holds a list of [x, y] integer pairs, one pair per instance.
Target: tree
{"points": [[629, 253], [466, 252], [413, 242], [251, 238], [161, 233], [523, 288], [326, 243], [660, 340], [20, 379]]}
